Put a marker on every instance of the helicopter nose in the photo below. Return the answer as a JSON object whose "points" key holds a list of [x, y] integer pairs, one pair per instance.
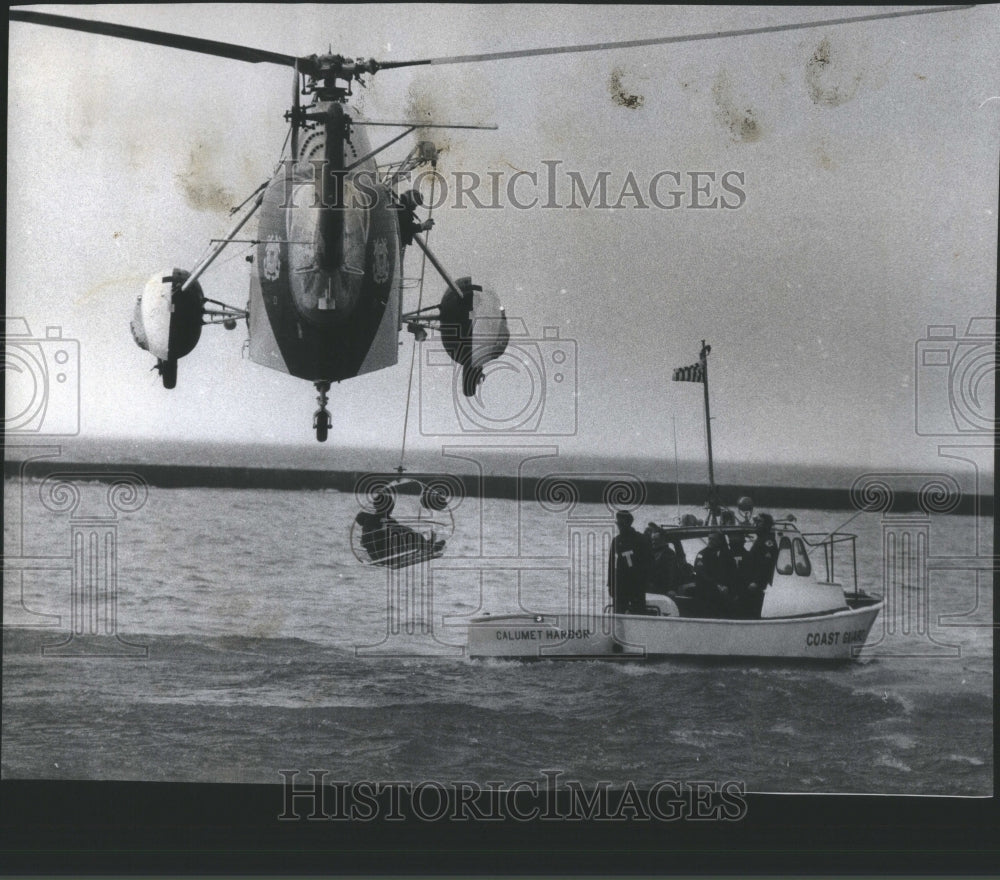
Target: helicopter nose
{"points": [[325, 298]]}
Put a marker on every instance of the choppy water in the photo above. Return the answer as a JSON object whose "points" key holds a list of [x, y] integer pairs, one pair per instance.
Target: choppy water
{"points": [[266, 645]]}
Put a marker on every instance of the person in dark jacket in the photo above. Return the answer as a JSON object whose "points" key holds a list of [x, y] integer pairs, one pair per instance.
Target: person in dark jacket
{"points": [[663, 562], [716, 577], [737, 542], [757, 568], [409, 224], [629, 564]]}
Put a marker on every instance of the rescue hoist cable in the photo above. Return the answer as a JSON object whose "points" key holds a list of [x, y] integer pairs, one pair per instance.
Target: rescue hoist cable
{"points": [[416, 343]]}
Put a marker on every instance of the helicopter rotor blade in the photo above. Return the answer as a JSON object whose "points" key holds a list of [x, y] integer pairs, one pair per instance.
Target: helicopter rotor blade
{"points": [[157, 38], [660, 41], [305, 64]]}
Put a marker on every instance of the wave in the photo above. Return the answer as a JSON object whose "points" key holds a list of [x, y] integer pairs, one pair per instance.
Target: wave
{"points": [[966, 759], [25, 640]]}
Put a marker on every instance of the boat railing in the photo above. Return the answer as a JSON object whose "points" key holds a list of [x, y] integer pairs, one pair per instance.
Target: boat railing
{"points": [[839, 556]]}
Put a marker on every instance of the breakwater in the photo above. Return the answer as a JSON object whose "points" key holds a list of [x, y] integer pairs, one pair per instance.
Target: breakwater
{"points": [[588, 488]]}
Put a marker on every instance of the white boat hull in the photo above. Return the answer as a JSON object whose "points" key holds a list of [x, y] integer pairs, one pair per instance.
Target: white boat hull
{"points": [[834, 636]]}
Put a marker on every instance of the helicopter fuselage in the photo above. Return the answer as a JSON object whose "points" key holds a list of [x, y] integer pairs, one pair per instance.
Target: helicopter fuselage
{"points": [[325, 289]]}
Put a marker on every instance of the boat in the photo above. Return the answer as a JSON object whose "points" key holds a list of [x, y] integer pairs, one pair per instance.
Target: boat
{"points": [[806, 614], [812, 608]]}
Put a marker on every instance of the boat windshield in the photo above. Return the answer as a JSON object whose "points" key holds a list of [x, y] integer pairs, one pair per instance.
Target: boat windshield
{"points": [[792, 557], [826, 557]]}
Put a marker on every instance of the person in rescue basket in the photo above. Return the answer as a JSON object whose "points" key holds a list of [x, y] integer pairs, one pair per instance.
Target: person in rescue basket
{"points": [[382, 535], [629, 564]]}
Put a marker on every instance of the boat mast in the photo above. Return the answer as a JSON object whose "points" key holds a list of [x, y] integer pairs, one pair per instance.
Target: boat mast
{"points": [[677, 469], [713, 505]]}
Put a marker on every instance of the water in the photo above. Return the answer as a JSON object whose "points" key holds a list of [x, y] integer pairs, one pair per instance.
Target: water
{"points": [[268, 646]]}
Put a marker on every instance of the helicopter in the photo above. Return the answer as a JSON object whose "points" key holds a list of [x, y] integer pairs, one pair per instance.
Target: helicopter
{"points": [[325, 301]]}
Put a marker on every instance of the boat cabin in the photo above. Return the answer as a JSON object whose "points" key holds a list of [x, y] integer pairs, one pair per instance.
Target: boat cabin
{"points": [[812, 572]]}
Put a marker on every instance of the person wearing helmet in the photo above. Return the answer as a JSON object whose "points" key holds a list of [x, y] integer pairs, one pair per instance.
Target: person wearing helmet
{"points": [[629, 565], [745, 507], [758, 566]]}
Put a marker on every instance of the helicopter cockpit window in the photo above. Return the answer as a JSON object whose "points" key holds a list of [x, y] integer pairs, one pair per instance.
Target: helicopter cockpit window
{"points": [[303, 223], [355, 229], [303, 229], [784, 564]]}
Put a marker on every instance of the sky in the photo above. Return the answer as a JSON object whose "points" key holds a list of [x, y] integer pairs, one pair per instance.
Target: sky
{"points": [[861, 209]]}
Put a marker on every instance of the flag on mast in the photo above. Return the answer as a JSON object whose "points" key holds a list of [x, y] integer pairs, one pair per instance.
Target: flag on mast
{"points": [[694, 373]]}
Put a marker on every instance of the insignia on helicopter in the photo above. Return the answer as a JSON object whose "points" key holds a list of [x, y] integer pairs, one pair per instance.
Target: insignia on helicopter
{"points": [[380, 271], [272, 258]]}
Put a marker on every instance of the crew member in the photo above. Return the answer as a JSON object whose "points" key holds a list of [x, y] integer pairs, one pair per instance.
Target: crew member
{"points": [[409, 225], [628, 567], [737, 541], [758, 565], [663, 564], [716, 577]]}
